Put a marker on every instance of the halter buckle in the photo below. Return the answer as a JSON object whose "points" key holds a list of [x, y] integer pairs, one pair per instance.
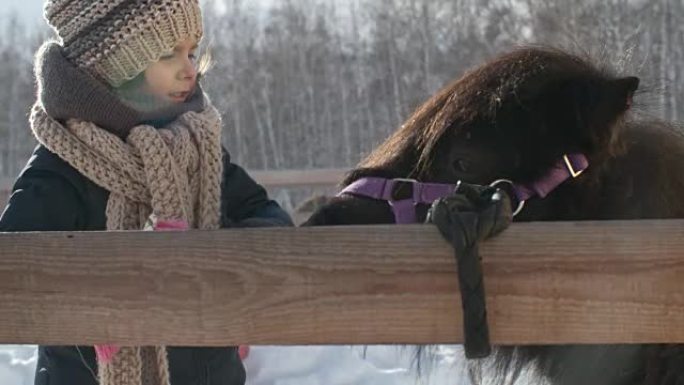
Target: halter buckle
{"points": [[574, 173], [403, 189]]}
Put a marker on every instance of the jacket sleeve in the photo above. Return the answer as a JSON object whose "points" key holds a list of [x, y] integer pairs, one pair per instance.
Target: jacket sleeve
{"points": [[245, 203], [42, 201]]}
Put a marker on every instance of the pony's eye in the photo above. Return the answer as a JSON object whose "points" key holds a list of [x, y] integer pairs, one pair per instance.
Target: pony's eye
{"points": [[463, 165]]}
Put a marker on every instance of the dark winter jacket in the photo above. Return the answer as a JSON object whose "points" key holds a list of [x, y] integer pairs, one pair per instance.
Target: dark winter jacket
{"points": [[50, 195]]}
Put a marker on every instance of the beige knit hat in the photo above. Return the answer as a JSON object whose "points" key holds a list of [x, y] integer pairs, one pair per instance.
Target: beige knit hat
{"points": [[115, 40]]}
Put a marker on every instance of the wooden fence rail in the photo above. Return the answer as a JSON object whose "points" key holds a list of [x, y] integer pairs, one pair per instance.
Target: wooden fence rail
{"points": [[298, 178], [547, 283]]}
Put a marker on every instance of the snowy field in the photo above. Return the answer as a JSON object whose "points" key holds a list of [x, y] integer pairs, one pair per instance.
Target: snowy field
{"points": [[324, 365]]}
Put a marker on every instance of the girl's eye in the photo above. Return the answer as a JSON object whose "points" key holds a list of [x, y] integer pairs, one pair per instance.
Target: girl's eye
{"points": [[192, 56]]}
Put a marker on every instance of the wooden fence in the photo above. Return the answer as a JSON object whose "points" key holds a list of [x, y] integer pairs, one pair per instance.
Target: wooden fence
{"points": [[546, 283], [298, 178]]}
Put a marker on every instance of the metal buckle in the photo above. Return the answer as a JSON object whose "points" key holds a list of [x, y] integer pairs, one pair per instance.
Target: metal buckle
{"points": [[521, 204], [399, 193], [571, 169]]}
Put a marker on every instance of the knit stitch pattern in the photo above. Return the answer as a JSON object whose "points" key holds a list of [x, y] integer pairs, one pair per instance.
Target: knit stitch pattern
{"points": [[115, 40]]}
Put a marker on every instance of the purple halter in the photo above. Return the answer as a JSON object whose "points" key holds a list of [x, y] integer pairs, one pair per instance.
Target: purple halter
{"points": [[404, 194]]}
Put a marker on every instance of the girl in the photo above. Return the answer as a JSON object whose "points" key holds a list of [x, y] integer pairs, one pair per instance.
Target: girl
{"points": [[128, 141]]}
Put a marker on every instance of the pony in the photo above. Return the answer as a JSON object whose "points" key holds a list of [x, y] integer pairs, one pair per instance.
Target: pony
{"points": [[514, 118]]}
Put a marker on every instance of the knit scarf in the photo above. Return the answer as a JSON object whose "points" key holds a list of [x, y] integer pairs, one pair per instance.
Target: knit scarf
{"points": [[157, 177]]}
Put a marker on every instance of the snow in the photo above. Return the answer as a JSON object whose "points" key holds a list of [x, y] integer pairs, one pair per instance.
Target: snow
{"points": [[337, 365], [311, 365], [17, 364]]}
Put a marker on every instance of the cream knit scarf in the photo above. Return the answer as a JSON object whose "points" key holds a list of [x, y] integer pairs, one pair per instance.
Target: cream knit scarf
{"points": [[155, 176]]}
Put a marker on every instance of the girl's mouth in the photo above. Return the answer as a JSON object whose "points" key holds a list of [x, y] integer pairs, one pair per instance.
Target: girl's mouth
{"points": [[179, 96]]}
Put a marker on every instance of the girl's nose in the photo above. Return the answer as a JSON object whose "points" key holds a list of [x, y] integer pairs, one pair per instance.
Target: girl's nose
{"points": [[189, 70]]}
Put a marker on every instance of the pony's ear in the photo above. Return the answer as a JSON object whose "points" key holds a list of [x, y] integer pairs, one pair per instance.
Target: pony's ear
{"points": [[624, 89]]}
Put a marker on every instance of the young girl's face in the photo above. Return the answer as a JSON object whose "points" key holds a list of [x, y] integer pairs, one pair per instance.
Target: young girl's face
{"points": [[173, 78]]}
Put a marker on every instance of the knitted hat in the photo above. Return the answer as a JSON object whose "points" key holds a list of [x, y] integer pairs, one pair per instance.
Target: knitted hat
{"points": [[115, 40]]}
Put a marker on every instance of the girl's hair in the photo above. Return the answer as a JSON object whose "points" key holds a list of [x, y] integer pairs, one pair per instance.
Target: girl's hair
{"points": [[204, 63]]}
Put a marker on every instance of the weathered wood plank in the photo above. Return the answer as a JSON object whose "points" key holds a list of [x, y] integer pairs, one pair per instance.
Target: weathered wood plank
{"points": [[591, 282]]}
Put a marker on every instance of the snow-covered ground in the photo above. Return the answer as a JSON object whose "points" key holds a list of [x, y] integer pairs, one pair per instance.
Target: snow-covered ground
{"points": [[311, 365], [17, 364]]}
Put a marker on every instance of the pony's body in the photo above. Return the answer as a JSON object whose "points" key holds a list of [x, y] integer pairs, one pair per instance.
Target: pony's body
{"points": [[513, 118]]}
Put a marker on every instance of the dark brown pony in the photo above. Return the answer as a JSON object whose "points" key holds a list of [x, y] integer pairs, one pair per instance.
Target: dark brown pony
{"points": [[513, 118]]}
